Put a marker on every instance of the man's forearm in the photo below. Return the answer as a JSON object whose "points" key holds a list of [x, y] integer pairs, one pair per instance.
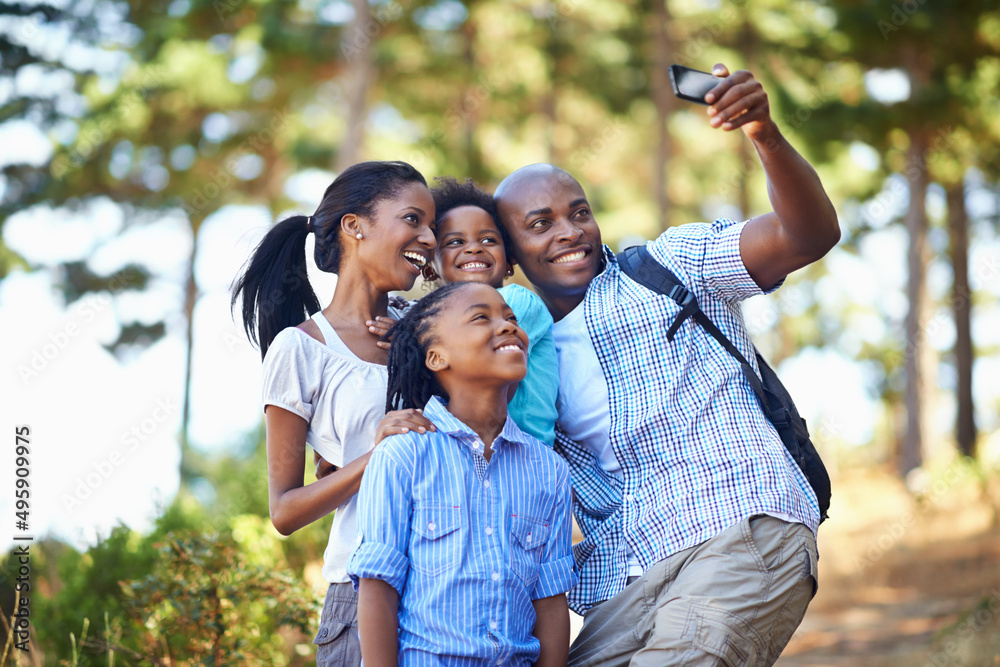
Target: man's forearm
{"points": [[803, 225], [806, 214]]}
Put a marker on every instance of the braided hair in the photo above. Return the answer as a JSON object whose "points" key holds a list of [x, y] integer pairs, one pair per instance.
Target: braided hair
{"points": [[411, 383]]}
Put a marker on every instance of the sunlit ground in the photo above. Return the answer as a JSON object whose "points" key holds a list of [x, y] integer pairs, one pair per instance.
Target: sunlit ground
{"points": [[904, 581]]}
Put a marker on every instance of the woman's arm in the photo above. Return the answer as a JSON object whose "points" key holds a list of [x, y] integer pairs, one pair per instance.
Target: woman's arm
{"points": [[552, 630], [292, 504], [378, 623]]}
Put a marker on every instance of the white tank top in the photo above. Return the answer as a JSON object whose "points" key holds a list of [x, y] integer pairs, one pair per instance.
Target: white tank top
{"points": [[343, 399]]}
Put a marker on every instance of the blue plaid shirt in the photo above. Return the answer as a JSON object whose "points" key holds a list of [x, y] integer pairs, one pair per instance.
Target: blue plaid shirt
{"points": [[467, 544], [696, 451]]}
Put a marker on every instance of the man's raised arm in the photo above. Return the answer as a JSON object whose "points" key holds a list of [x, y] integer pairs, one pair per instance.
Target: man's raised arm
{"points": [[803, 226]]}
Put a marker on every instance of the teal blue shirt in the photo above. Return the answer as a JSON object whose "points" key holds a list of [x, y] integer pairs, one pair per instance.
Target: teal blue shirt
{"points": [[534, 404]]}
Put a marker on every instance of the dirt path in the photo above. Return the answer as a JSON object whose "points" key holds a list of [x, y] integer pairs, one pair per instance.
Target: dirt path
{"points": [[904, 582]]}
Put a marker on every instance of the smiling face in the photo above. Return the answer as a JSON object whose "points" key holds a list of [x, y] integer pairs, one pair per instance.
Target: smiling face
{"points": [[553, 234], [476, 341], [398, 239], [470, 248]]}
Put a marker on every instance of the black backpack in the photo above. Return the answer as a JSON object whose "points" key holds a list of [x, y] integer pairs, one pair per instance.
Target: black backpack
{"points": [[639, 265]]}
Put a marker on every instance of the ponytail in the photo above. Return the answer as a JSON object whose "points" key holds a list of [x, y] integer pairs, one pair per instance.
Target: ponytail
{"points": [[274, 288], [411, 384]]}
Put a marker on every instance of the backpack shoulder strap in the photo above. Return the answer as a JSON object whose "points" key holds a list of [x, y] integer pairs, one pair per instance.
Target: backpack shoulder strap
{"points": [[777, 405], [639, 265]]}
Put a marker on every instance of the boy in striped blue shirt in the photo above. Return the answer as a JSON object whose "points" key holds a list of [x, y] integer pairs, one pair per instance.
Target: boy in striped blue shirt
{"points": [[464, 534]]}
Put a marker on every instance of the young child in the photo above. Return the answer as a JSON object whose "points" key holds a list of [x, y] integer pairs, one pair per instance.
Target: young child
{"points": [[464, 534], [472, 246]]}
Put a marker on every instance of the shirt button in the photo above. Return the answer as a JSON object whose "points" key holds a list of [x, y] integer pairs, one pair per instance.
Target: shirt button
{"points": [[495, 576], [489, 530], [431, 526], [493, 625], [528, 538], [486, 484], [629, 497]]}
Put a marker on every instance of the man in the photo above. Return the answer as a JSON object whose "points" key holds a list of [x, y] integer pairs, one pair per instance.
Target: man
{"points": [[699, 529]]}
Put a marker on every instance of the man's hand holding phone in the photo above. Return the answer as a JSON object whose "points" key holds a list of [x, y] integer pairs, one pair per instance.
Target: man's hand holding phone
{"points": [[736, 101]]}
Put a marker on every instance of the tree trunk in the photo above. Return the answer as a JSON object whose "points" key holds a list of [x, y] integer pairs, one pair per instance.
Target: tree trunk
{"points": [[190, 300], [747, 155], [357, 49], [961, 303], [911, 450], [663, 100], [548, 102], [473, 97]]}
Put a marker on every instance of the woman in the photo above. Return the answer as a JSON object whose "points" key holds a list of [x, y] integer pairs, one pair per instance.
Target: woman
{"points": [[325, 377]]}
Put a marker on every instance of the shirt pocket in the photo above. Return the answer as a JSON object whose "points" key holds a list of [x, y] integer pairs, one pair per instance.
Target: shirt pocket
{"points": [[436, 545], [527, 547]]}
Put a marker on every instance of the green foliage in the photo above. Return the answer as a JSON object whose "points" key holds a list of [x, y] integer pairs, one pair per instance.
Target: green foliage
{"points": [[212, 578], [217, 599], [177, 597], [214, 600], [74, 587]]}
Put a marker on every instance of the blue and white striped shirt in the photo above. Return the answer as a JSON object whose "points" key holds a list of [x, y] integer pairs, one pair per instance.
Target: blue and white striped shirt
{"points": [[697, 454], [467, 544]]}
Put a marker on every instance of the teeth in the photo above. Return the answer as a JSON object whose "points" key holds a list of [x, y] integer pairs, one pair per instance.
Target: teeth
{"points": [[572, 257], [474, 265], [415, 257], [509, 347]]}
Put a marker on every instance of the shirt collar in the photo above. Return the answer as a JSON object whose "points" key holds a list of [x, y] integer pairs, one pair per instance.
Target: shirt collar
{"points": [[609, 259], [446, 422]]}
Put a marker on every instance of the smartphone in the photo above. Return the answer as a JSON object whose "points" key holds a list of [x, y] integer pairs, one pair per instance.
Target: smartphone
{"points": [[692, 84]]}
